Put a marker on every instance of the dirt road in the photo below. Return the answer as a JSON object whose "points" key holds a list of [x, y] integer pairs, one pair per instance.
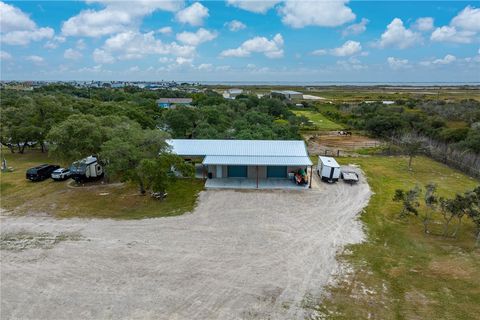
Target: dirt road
{"points": [[239, 255]]}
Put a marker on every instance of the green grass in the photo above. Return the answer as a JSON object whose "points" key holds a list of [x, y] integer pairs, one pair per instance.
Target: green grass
{"points": [[94, 200], [319, 120], [399, 272]]}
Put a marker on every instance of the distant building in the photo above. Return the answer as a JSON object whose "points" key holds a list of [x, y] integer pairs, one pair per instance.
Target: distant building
{"points": [[167, 103], [232, 93], [287, 94]]}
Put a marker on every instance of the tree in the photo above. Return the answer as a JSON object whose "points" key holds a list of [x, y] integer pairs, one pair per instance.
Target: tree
{"points": [[431, 201], [409, 200], [412, 146], [141, 156], [77, 137]]}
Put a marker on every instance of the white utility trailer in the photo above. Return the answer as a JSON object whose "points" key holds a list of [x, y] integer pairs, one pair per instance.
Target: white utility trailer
{"points": [[328, 169]]}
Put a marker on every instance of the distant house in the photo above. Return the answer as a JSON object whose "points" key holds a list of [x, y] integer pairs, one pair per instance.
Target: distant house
{"points": [[287, 94], [167, 103], [232, 93]]}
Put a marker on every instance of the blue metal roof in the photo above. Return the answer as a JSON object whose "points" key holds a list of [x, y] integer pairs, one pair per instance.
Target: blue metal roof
{"points": [[246, 152]]}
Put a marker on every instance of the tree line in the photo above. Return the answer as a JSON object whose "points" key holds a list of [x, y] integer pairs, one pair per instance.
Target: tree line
{"points": [[451, 210], [128, 132]]}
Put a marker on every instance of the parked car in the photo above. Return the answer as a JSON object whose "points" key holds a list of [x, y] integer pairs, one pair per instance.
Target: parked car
{"points": [[41, 172], [61, 174]]}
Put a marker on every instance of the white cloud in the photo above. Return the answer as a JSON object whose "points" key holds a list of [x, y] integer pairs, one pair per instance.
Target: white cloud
{"points": [[134, 69], [467, 19], [451, 34], [235, 25], [445, 60], [53, 43], [72, 54], [135, 45], [352, 64], [347, 49], [14, 19], [5, 55], [442, 61], [101, 56], [424, 24], [205, 67], [17, 28], [196, 38], [398, 36], [35, 59], [193, 15], [165, 30], [270, 48], [256, 6], [117, 16], [397, 63], [299, 14], [462, 28], [24, 37], [80, 44], [356, 28]]}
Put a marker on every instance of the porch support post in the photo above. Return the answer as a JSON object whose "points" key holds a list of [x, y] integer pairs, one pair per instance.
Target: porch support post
{"points": [[257, 174], [311, 177]]}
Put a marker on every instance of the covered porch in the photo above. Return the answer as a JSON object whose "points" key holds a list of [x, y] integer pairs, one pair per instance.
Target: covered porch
{"points": [[244, 183]]}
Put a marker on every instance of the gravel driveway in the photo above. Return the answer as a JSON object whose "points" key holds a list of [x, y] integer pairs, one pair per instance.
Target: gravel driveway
{"points": [[239, 255]]}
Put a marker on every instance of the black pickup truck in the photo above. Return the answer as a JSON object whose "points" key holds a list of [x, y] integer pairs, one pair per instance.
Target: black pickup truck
{"points": [[41, 172]]}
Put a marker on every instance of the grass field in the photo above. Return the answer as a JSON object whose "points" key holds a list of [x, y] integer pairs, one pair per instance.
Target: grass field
{"points": [[94, 200], [319, 120], [399, 272]]}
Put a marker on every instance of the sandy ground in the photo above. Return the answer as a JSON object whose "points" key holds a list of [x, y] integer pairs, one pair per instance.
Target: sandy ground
{"points": [[239, 255]]}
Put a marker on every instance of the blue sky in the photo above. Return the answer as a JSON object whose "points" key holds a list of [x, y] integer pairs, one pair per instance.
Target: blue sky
{"points": [[241, 40]]}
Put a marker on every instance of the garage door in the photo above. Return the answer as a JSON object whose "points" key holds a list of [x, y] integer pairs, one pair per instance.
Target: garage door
{"points": [[276, 172], [237, 171]]}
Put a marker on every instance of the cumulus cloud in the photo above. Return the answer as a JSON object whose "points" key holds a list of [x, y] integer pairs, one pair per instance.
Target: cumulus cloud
{"points": [[193, 15], [255, 6], [463, 27], [397, 63], [5, 55], [35, 59], [270, 48], [467, 19], [117, 16], [72, 54], [102, 56], [356, 28], [235, 25], [136, 45], [347, 49], [205, 67], [445, 60], [14, 19], [165, 30], [442, 61], [451, 34], [398, 36], [18, 29], [352, 64], [195, 38], [424, 24], [299, 14]]}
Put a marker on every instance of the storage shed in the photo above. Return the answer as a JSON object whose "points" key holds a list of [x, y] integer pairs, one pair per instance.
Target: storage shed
{"points": [[257, 161]]}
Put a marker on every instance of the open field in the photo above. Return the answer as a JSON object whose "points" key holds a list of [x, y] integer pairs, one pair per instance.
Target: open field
{"points": [[400, 273], [319, 120], [64, 199], [239, 255]]}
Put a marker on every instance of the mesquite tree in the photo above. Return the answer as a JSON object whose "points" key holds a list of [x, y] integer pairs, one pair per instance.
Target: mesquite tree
{"points": [[409, 200]]}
